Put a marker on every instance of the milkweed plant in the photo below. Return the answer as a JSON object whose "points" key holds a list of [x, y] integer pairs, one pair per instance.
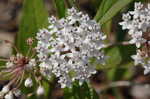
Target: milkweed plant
{"points": [[71, 47]]}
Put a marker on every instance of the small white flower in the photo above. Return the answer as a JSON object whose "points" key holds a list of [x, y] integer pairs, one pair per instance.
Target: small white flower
{"points": [[32, 62], [137, 10], [138, 6], [17, 92], [5, 89], [126, 17], [28, 82], [137, 58], [19, 55], [9, 95], [9, 64], [147, 70], [137, 40], [40, 91], [1, 94]]}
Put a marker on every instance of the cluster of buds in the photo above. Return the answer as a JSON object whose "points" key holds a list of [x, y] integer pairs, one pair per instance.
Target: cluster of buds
{"points": [[138, 24], [67, 45], [6, 93], [19, 69]]}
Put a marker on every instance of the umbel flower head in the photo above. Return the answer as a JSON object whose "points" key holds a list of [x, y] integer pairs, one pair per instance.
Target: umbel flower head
{"points": [[66, 46], [138, 24]]}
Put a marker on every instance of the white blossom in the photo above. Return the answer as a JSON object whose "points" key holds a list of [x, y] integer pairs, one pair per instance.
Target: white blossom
{"points": [[1, 94], [138, 59], [9, 64], [40, 90], [5, 89], [138, 24], [17, 92], [31, 64], [147, 68], [28, 82], [9, 95], [65, 48]]}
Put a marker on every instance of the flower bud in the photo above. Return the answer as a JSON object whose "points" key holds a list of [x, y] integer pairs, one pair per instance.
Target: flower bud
{"points": [[5, 89], [9, 95], [1, 94], [30, 41], [28, 82], [40, 90], [17, 93]]}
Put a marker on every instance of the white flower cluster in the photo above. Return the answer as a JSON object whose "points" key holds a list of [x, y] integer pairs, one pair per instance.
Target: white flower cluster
{"points": [[66, 47], [138, 24]]}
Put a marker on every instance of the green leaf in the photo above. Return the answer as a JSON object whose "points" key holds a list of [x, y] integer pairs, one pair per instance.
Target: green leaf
{"points": [[114, 57], [103, 8], [86, 91], [114, 10], [96, 3], [108, 4], [2, 63], [34, 17], [61, 9], [100, 11], [80, 92], [94, 95], [121, 57], [129, 72], [126, 52], [70, 3], [68, 93]]}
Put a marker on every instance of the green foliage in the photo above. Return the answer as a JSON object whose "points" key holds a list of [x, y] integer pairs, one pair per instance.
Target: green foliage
{"points": [[117, 61], [80, 92], [103, 8], [118, 56], [2, 63], [114, 57], [34, 17], [113, 9], [70, 3], [61, 9]]}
